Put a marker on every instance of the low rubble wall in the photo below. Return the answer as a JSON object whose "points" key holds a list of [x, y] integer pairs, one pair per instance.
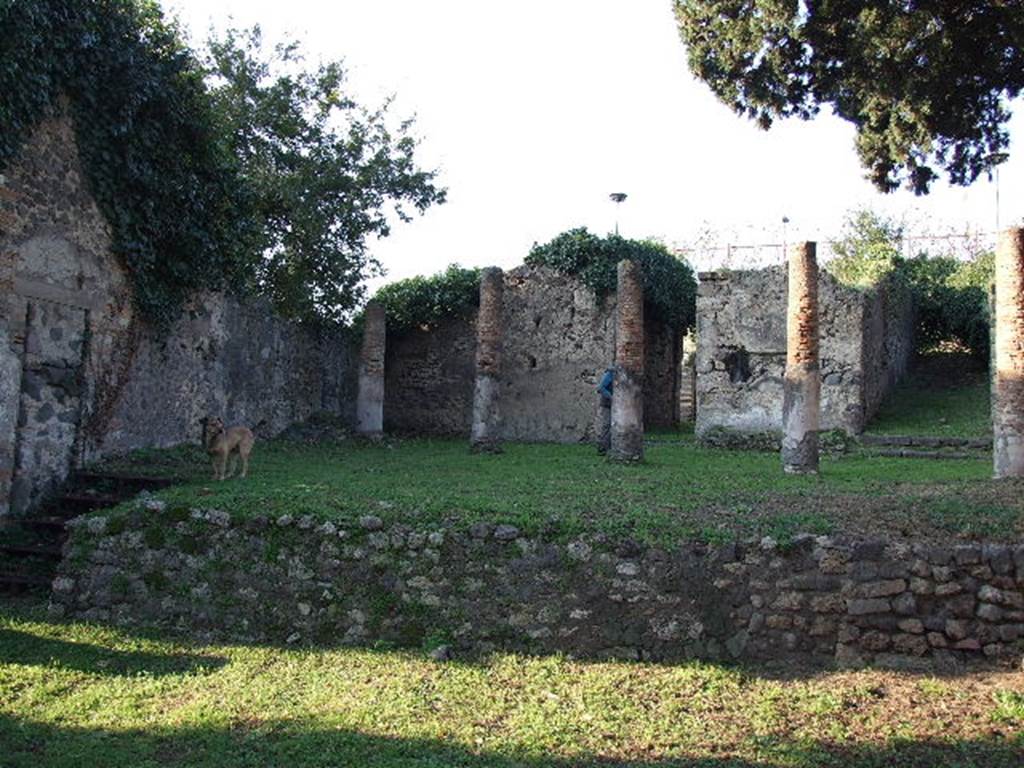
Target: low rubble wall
{"points": [[854, 602]]}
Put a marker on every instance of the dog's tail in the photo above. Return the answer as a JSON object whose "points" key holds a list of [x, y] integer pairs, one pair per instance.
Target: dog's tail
{"points": [[256, 427]]}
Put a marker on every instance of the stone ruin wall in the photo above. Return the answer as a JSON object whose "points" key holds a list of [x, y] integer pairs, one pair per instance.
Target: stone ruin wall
{"points": [[866, 344], [559, 338], [82, 374], [823, 599], [232, 358]]}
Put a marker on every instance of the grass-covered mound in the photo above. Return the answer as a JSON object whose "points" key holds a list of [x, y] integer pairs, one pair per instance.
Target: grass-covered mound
{"points": [[559, 491], [74, 694]]}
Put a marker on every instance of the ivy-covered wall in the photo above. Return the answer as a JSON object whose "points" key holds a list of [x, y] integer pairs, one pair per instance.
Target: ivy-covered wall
{"points": [[89, 374]]}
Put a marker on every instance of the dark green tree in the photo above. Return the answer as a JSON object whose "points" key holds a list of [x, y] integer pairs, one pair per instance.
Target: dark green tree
{"points": [[323, 174], [926, 83]]}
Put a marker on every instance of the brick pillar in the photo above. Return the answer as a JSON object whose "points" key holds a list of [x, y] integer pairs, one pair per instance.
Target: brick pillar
{"points": [[627, 440], [801, 400], [485, 431], [370, 400], [1008, 394]]}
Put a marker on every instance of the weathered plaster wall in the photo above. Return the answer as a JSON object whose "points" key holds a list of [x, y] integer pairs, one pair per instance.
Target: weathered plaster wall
{"points": [[84, 376], [230, 359], [302, 580], [866, 342], [558, 339]]}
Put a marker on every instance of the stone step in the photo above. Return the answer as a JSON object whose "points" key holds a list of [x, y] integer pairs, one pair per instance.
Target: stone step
{"points": [[16, 583], [121, 484], [31, 550], [74, 504], [925, 441], [906, 453]]}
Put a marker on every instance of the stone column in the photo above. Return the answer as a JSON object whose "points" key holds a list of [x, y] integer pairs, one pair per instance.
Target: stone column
{"points": [[1008, 394], [485, 431], [12, 315], [627, 443], [370, 400], [801, 401]]}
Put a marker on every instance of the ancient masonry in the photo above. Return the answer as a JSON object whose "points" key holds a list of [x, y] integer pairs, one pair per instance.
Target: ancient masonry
{"points": [[370, 398], [1008, 395], [866, 340], [801, 399], [485, 432], [81, 376], [627, 438], [891, 603], [558, 339]]}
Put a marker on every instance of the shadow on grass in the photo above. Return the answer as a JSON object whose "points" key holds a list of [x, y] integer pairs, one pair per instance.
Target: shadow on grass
{"points": [[304, 744], [27, 649]]}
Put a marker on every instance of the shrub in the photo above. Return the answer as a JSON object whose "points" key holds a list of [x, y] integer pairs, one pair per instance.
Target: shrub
{"points": [[950, 296], [422, 302], [670, 290]]}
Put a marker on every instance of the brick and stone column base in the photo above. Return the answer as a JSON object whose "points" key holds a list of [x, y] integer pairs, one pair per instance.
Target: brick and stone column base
{"points": [[801, 402], [627, 412], [1008, 394], [370, 398], [485, 432]]}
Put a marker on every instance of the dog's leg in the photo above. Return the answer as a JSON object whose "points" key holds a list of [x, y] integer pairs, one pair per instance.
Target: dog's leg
{"points": [[232, 464], [243, 453]]}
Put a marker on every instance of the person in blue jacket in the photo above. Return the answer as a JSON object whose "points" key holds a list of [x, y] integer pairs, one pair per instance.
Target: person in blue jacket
{"points": [[603, 427]]}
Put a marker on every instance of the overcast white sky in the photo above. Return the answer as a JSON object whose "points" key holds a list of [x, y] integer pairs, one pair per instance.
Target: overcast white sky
{"points": [[534, 111]]}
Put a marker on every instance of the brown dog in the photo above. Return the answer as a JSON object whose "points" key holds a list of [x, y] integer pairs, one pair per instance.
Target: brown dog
{"points": [[228, 447]]}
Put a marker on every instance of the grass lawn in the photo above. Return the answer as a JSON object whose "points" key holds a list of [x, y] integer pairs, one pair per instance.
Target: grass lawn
{"points": [[945, 395], [74, 694], [681, 491]]}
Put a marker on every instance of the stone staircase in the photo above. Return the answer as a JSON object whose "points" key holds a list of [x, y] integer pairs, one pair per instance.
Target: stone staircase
{"points": [[923, 447], [31, 547]]}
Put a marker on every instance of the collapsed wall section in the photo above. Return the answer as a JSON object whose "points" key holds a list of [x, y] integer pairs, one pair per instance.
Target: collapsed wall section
{"points": [[865, 345]]}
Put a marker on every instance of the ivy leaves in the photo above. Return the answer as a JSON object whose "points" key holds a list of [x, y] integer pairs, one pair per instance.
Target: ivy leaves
{"points": [[323, 174], [248, 173], [670, 291]]}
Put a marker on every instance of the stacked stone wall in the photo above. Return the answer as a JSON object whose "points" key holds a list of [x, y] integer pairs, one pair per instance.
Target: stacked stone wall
{"points": [[849, 601]]}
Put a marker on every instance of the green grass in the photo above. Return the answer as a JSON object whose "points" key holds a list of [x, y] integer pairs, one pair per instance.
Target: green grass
{"points": [[945, 395], [74, 694], [681, 491]]}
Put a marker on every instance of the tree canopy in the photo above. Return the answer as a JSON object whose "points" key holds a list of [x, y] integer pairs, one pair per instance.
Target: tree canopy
{"points": [[926, 83], [245, 170], [322, 173]]}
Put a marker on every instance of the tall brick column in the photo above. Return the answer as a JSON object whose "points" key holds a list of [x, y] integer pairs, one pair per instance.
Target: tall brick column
{"points": [[801, 402], [1008, 394], [627, 443], [485, 431], [370, 400]]}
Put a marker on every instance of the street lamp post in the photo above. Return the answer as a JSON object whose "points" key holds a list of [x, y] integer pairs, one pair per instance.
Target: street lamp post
{"points": [[617, 198]]}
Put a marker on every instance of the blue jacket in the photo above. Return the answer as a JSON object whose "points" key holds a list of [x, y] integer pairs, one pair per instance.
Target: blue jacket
{"points": [[607, 384]]}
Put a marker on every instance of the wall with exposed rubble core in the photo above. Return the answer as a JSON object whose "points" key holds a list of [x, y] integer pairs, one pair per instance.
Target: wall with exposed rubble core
{"points": [[867, 339], [83, 376], [558, 339], [490, 586]]}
